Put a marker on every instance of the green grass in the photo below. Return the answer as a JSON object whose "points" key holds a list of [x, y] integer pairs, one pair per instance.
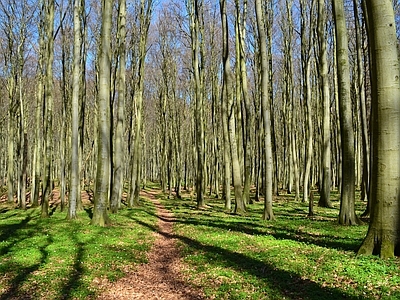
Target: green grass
{"points": [[58, 259], [244, 257], [229, 256]]}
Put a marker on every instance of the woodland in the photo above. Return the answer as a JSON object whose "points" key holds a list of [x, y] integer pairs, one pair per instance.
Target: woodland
{"points": [[270, 130]]}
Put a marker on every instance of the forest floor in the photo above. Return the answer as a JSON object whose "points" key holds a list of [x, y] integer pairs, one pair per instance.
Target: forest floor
{"points": [[161, 276], [167, 248]]}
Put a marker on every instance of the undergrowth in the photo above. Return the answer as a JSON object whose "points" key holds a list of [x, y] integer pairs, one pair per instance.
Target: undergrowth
{"points": [[58, 259], [294, 257]]}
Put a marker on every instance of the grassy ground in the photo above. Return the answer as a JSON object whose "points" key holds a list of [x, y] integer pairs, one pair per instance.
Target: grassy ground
{"points": [[243, 257], [56, 259], [232, 257]]}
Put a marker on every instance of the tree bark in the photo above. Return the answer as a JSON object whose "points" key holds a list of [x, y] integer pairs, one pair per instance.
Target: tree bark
{"points": [[48, 107], [266, 118], [383, 233], [324, 200], [102, 188], [347, 215], [118, 149]]}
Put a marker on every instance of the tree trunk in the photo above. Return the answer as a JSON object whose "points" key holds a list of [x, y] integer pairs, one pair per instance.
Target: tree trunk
{"points": [[228, 97], [383, 233], [102, 188], [196, 39], [347, 215], [48, 107], [324, 200], [266, 118], [74, 193], [118, 154]]}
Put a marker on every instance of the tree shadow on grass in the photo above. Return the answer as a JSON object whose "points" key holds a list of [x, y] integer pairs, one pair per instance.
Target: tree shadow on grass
{"points": [[288, 284], [9, 231], [326, 241], [75, 276], [279, 232], [22, 273]]}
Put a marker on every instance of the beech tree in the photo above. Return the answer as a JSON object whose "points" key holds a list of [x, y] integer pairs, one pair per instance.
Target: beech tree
{"points": [[48, 99], [102, 184], [266, 117], [229, 113], [324, 200], [347, 215], [75, 193], [383, 232], [118, 148], [194, 8]]}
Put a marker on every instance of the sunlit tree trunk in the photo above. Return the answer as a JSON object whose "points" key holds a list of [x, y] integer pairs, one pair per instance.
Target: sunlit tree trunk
{"points": [[74, 193], [118, 149], [196, 40], [102, 184], [363, 112], [265, 108], [228, 97], [306, 47], [347, 215], [324, 200], [247, 115], [136, 158], [48, 106], [36, 188], [383, 233]]}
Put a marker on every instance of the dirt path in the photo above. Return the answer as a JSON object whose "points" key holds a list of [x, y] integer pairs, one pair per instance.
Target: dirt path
{"points": [[160, 278]]}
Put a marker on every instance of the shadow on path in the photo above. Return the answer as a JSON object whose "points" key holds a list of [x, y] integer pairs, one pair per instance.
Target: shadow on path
{"points": [[289, 284]]}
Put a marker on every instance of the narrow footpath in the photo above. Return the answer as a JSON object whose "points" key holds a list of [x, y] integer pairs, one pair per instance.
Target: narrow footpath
{"points": [[160, 278]]}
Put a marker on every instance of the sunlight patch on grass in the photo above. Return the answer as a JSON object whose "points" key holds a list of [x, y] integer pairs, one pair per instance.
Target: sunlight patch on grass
{"points": [[243, 257], [54, 258]]}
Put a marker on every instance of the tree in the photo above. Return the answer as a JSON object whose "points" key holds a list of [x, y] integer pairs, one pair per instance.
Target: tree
{"points": [[265, 108], [347, 215], [118, 149], [247, 119], [194, 7], [48, 15], [324, 200], [102, 184], [383, 232], [74, 192], [306, 49], [136, 129], [227, 95]]}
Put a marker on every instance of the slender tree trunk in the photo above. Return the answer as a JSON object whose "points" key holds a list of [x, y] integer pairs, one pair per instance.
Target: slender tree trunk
{"points": [[118, 154], [48, 106], [347, 215], [37, 155], [266, 118], [74, 193], [324, 200], [102, 189], [228, 97], [195, 34], [306, 46], [247, 115], [363, 114]]}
